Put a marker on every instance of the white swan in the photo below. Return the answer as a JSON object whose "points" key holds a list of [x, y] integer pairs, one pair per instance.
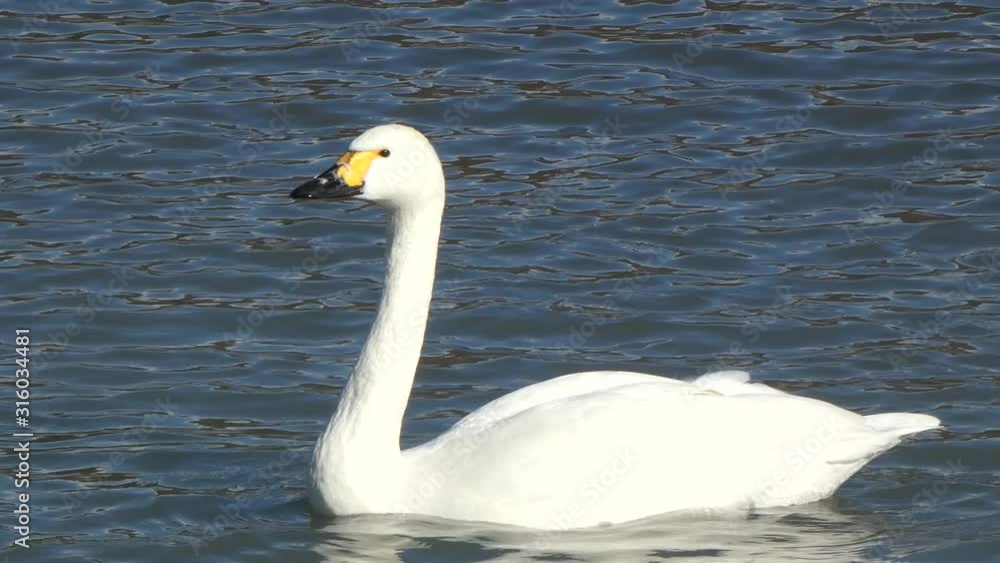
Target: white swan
{"points": [[576, 451]]}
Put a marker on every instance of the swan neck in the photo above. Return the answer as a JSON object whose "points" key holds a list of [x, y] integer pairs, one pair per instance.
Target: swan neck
{"points": [[370, 413]]}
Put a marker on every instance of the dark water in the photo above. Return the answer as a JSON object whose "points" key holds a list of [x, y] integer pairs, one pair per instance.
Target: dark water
{"points": [[808, 190]]}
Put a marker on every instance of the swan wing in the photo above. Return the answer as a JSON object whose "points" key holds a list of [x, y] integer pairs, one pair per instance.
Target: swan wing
{"points": [[597, 447], [577, 384]]}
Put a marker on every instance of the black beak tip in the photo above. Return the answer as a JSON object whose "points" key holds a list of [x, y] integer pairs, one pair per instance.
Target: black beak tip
{"points": [[322, 188], [301, 192], [312, 189]]}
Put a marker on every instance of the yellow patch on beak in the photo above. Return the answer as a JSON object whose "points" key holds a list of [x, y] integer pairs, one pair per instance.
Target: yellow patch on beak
{"points": [[353, 166]]}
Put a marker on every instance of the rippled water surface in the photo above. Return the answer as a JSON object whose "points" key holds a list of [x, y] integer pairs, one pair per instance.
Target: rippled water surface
{"points": [[807, 190]]}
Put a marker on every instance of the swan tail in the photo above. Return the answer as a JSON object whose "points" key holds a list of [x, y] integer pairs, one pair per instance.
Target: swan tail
{"points": [[898, 424], [884, 431], [893, 425], [879, 433]]}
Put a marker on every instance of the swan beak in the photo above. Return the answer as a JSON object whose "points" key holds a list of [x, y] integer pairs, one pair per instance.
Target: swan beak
{"points": [[325, 186], [343, 179]]}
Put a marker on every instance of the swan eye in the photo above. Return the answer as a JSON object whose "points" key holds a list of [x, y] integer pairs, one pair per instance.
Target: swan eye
{"points": [[383, 153]]}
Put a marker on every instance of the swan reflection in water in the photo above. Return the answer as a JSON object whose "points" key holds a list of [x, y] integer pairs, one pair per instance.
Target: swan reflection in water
{"points": [[815, 532]]}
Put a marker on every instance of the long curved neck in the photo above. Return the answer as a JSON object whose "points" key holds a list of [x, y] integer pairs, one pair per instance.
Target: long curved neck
{"points": [[370, 415]]}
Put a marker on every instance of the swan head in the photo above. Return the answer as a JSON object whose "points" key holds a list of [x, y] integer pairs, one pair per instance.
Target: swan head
{"points": [[392, 165]]}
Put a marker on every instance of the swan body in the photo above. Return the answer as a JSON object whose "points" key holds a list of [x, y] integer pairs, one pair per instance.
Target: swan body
{"points": [[576, 451]]}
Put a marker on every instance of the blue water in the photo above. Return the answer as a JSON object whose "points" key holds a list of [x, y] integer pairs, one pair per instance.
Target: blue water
{"points": [[806, 190]]}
